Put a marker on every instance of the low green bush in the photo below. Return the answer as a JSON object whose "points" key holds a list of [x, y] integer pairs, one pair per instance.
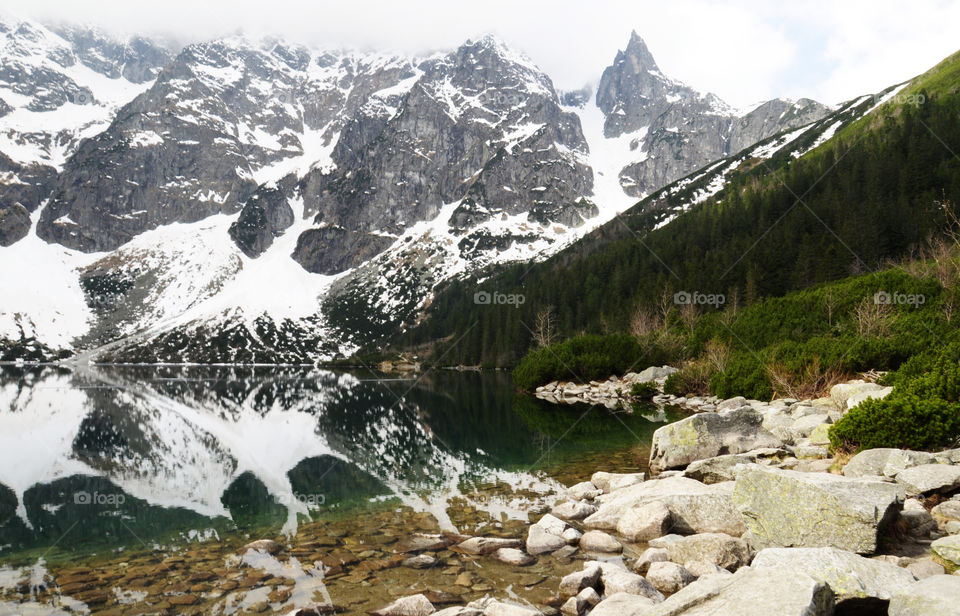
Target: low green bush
{"points": [[582, 359], [922, 412], [644, 391]]}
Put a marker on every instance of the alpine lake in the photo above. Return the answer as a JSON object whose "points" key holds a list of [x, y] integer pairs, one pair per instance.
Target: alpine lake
{"points": [[132, 490]]}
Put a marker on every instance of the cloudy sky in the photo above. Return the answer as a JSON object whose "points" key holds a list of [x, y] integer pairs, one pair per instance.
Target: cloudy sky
{"points": [[743, 50]]}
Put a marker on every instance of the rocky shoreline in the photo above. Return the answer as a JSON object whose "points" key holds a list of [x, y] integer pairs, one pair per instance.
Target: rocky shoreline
{"points": [[747, 514]]}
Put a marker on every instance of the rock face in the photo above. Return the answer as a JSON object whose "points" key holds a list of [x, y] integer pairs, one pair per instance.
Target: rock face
{"points": [[503, 118], [792, 509], [708, 435], [416, 605], [848, 575], [939, 594], [678, 128], [645, 522], [750, 593]]}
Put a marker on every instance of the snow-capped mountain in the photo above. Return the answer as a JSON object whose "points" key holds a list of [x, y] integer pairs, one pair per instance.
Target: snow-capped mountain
{"points": [[260, 201]]}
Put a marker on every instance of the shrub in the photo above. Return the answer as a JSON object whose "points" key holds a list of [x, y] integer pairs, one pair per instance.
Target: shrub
{"points": [[745, 376], [644, 391], [922, 412], [904, 421], [583, 358], [693, 378]]}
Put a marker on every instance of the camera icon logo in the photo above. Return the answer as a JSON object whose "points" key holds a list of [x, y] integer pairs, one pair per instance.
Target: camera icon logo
{"points": [[882, 297], [482, 298], [682, 298]]}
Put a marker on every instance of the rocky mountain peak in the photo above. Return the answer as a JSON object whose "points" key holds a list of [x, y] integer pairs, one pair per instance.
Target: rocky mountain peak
{"points": [[637, 55]]}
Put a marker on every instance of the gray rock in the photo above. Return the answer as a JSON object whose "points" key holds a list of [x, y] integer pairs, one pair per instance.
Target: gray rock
{"points": [[622, 604], [654, 373], [617, 579], [849, 576], [645, 522], [925, 567], [929, 478], [513, 556], [791, 509], [939, 594], [486, 545], [722, 550], [947, 549], [459, 610], [584, 490], [703, 568], [649, 556], [416, 605], [668, 577], [721, 468], [421, 561], [885, 462], [588, 577], [948, 509], [582, 603], [709, 435], [750, 593], [573, 510], [695, 507], [539, 541], [609, 482], [848, 395], [599, 541], [492, 607]]}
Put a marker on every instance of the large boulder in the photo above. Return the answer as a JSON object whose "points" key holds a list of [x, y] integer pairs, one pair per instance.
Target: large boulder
{"points": [[694, 506], [849, 576], [720, 549], [546, 535], [792, 509], [707, 435], [610, 482], [750, 593], [927, 478], [588, 577], [848, 395], [885, 462], [938, 594]]}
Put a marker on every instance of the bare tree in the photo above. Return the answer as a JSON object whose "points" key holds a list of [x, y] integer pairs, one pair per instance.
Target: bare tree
{"points": [[718, 354], [645, 322], [872, 318], [544, 327], [830, 303]]}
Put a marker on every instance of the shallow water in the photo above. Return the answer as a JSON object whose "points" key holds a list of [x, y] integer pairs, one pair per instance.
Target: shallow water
{"points": [[110, 466]]}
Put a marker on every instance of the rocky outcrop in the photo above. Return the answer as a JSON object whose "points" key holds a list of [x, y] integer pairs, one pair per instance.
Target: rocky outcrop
{"points": [[481, 126], [792, 509], [264, 217]]}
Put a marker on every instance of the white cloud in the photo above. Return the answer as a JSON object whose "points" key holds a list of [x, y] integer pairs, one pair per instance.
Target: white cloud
{"points": [[743, 50]]}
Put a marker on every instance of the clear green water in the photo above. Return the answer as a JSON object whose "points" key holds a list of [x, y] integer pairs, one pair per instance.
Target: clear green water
{"points": [[107, 459]]}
